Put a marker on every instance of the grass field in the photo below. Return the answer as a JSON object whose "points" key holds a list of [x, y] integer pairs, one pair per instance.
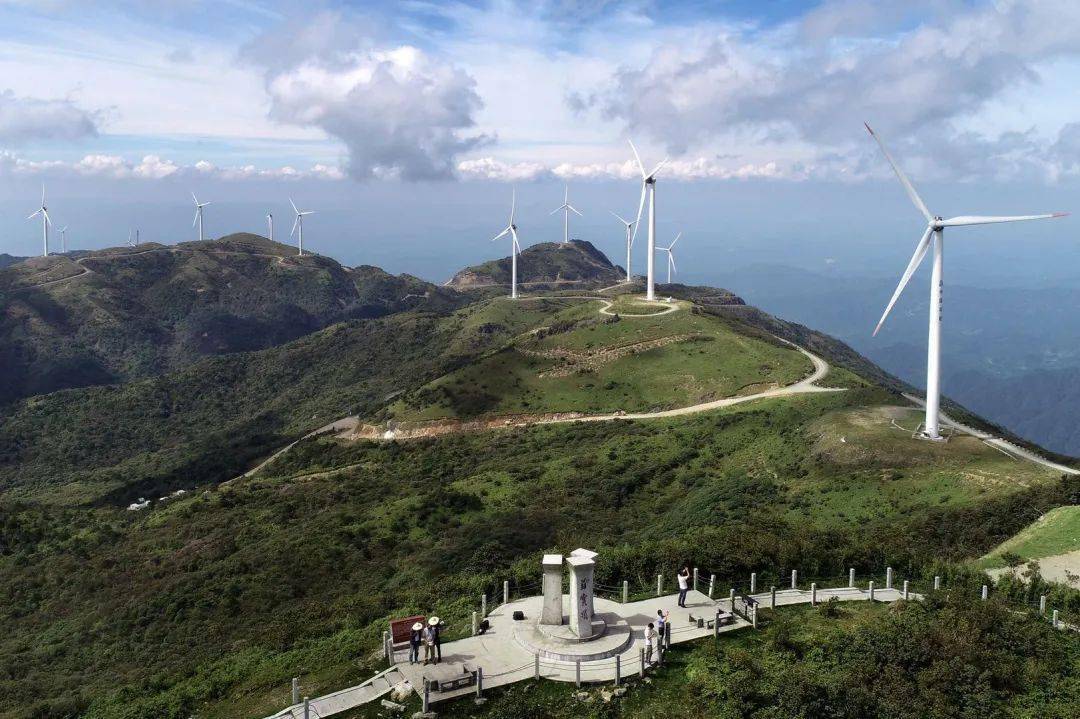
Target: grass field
{"points": [[1056, 532], [582, 361]]}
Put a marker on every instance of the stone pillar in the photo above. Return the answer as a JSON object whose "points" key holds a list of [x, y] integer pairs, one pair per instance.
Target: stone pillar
{"points": [[618, 668], [888, 577], [295, 691], [1055, 619], [695, 578], [479, 681], [753, 582], [427, 696], [577, 673], [475, 623], [851, 577], [871, 590], [772, 597], [813, 594], [985, 592], [506, 592], [712, 583], [641, 659], [937, 583], [1042, 607], [625, 591], [307, 708], [483, 604], [659, 584], [731, 600], [905, 589], [553, 569], [581, 595], [794, 578], [536, 666]]}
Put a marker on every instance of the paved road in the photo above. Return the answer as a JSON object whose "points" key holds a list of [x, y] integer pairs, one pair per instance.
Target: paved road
{"points": [[997, 442]]}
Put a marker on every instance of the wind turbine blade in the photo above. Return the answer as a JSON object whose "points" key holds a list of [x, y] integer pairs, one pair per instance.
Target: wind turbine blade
{"points": [[514, 246], [920, 253], [915, 199], [638, 158], [619, 218], [990, 220], [294, 206], [43, 194], [674, 241], [501, 234], [671, 261], [566, 195], [571, 207], [36, 213], [306, 212], [640, 207], [45, 213], [556, 210], [513, 205], [196, 217], [196, 199], [294, 224], [657, 168]]}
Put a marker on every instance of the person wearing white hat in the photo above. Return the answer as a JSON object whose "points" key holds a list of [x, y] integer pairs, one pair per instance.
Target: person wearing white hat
{"points": [[429, 643], [416, 638], [436, 626]]}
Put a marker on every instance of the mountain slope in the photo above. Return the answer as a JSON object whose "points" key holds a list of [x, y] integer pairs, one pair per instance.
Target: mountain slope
{"points": [[576, 263], [124, 313]]}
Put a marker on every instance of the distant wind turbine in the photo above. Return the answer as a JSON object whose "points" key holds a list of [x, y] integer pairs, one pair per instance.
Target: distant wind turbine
{"points": [[45, 222], [270, 221], [298, 224], [198, 214], [670, 256], [934, 236], [648, 184], [629, 242], [566, 208], [511, 229], [63, 238]]}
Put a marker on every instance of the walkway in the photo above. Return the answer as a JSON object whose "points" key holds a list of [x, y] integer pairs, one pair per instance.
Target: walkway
{"points": [[505, 661]]}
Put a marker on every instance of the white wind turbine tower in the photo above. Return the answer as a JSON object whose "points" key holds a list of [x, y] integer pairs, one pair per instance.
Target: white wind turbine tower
{"points": [[648, 183], [566, 208], [670, 256], [198, 214], [45, 222], [298, 224], [629, 243], [63, 238], [270, 222], [515, 248], [935, 237]]}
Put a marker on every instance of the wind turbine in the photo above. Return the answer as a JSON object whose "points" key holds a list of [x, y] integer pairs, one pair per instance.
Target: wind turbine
{"points": [[45, 221], [63, 238], [198, 214], [648, 183], [511, 229], [629, 242], [299, 224], [670, 256], [270, 221], [566, 208], [934, 236]]}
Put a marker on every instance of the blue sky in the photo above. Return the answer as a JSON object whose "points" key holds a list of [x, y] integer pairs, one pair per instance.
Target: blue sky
{"points": [[125, 108]]}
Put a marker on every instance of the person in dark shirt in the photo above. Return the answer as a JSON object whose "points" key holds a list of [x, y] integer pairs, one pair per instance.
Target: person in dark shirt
{"points": [[416, 638], [436, 626]]}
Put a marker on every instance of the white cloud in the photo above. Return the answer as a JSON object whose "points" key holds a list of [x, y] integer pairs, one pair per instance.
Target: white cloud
{"points": [[153, 167], [489, 168], [24, 119]]}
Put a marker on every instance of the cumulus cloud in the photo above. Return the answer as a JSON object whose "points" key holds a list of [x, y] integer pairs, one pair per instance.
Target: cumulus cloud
{"points": [[153, 167], [489, 168], [24, 119], [398, 111]]}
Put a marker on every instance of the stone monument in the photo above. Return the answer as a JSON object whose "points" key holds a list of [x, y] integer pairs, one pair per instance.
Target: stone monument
{"points": [[581, 595], [552, 609]]}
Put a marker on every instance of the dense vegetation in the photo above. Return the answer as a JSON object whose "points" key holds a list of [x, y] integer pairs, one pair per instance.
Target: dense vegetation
{"points": [[577, 262]]}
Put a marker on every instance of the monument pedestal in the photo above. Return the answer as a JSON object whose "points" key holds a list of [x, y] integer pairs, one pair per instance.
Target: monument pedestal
{"points": [[552, 612], [581, 595]]}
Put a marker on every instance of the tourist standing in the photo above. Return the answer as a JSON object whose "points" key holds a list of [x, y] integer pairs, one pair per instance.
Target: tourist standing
{"points": [[650, 636], [429, 643], [662, 619], [436, 626], [416, 638], [684, 585]]}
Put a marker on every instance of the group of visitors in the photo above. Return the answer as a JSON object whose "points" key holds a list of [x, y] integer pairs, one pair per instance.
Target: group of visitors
{"points": [[660, 631], [429, 637]]}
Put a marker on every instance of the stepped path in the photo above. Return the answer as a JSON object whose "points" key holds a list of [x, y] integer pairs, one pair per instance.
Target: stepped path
{"points": [[505, 659]]}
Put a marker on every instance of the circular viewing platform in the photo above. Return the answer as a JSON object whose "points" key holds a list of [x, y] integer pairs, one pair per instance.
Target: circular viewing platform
{"points": [[611, 635]]}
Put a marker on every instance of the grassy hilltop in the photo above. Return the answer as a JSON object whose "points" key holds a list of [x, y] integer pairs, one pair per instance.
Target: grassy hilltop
{"points": [[206, 604]]}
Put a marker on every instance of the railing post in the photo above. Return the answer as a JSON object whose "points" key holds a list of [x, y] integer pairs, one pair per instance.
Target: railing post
{"points": [[813, 594], [506, 591], [386, 646], [888, 577], [1054, 620], [851, 577], [577, 673], [307, 708], [641, 658], [1042, 605], [871, 590], [772, 597], [937, 583], [618, 668], [625, 591], [660, 652], [985, 592], [483, 605], [731, 600], [536, 666], [905, 589], [475, 624], [794, 578], [427, 695], [479, 681], [753, 582], [753, 615], [667, 636], [659, 584], [295, 691], [712, 583]]}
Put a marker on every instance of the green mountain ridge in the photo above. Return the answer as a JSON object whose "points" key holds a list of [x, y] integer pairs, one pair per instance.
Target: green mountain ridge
{"points": [[575, 263]]}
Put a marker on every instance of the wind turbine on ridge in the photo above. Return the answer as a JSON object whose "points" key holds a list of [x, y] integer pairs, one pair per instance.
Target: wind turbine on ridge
{"points": [[648, 183], [63, 239], [298, 224], [566, 208], [515, 248], [198, 214], [45, 222], [934, 237], [270, 221], [629, 242], [670, 256]]}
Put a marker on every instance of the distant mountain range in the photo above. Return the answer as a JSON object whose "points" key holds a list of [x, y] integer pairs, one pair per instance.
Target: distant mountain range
{"points": [[6, 259]]}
